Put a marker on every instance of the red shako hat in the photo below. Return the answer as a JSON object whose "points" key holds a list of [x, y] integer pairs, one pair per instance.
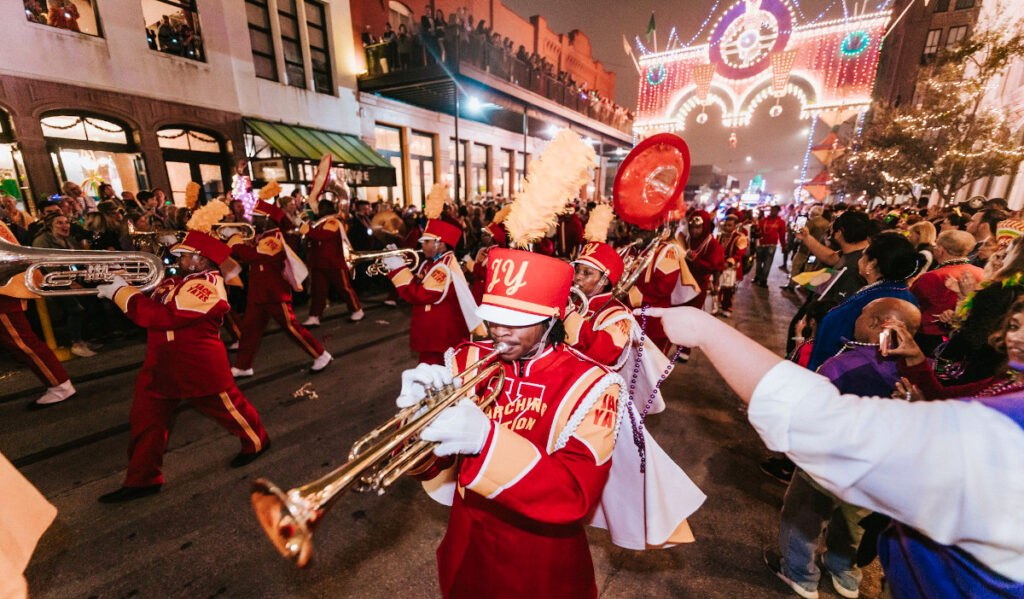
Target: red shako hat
{"points": [[271, 211], [497, 231], [197, 242], [524, 288], [439, 229], [603, 257]]}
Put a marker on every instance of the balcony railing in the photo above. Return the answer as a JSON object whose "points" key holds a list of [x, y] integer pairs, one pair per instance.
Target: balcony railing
{"points": [[412, 53]]}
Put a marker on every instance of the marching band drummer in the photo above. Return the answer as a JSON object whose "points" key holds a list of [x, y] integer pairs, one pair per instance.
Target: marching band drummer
{"points": [[274, 271], [185, 360], [325, 255], [527, 475], [443, 306]]}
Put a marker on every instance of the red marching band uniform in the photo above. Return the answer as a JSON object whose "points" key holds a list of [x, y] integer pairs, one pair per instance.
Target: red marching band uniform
{"points": [[274, 271], [520, 505], [185, 360], [442, 313], [479, 266], [666, 282], [17, 336], [604, 333], [325, 256], [734, 247]]}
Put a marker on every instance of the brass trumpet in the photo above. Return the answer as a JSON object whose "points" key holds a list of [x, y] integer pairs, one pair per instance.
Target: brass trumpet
{"points": [[50, 272], [411, 257], [375, 462], [246, 230]]}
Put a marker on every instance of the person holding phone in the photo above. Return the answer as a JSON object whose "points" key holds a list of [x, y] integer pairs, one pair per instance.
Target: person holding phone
{"points": [[816, 227]]}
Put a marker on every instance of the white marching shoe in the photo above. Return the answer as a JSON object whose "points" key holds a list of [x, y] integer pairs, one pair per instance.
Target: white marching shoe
{"points": [[240, 373], [321, 362], [390, 302], [356, 316], [54, 395], [312, 321], [233, 346]]}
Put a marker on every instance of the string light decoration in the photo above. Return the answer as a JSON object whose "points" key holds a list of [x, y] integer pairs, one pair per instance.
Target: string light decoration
{"points": [[759, 50]]}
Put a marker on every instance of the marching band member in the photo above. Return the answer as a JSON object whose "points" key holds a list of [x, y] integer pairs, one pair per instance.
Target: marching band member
{"points": [[492, 236], [443, 306], [185, 360], [17, 336], [525, 477], [274, 271], [734, 245], [325, 255], [665, 282], [604, 332]]}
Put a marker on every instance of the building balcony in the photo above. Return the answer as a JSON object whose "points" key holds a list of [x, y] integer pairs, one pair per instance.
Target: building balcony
{"points": [[424, 71]]}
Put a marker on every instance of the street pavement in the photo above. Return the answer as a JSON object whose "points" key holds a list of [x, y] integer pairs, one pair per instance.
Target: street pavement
{"points": [[198, 538]]}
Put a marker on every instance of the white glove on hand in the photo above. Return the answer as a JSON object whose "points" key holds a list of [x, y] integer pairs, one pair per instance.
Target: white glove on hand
{"points": [[108, 290], [462, 428], [391, 246], [227, 232], [416, 381], [393, 262]]}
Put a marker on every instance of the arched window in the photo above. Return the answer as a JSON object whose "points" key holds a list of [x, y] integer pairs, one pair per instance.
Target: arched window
{"points": [[90, 149], [193, 155]]}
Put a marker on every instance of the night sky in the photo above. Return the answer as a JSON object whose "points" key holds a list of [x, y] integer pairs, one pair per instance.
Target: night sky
{"points": [[775, 145]]}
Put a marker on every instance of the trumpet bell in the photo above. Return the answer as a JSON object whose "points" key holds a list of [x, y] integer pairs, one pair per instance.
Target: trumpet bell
{"points": [[290, 533]]}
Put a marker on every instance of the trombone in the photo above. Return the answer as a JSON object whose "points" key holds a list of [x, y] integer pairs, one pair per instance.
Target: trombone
{"points": [[50, 272], [375, 462]]}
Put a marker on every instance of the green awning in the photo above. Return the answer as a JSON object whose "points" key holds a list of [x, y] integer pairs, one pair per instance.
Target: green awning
{"points": [[305, 143]]}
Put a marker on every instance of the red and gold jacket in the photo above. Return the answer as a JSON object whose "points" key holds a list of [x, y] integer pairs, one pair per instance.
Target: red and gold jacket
{"points": [[437, 323], [708, 259], [185, 356], [603, 333], [266, 257], [324, 246], [659, 281], [519, 508], [10, 304], [480, 273], [735, 248]]}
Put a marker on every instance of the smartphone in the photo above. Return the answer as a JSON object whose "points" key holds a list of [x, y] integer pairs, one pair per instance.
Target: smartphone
{"points": [[801, 222], [887, 339]]}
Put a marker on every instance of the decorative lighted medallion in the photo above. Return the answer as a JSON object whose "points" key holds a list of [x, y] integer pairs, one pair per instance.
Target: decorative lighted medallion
{"points": [[747, 34], [854, 43]]}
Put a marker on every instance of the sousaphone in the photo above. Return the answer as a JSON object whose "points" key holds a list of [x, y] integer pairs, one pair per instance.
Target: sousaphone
{"points": [[648, 189], [320, 179]]}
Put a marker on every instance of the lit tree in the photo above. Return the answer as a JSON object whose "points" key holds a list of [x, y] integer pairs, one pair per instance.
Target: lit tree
{"points": [[951, 136]]}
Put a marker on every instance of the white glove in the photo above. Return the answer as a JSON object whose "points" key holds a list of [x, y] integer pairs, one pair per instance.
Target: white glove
{"points": [[393, 262], [391, 246], [108, 290], [227, 232], [416, 381], [462, 428]]}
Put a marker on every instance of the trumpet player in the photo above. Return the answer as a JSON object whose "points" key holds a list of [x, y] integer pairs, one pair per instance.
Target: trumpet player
{"points": [[522, 477], [325, 256], [274, 271], [185, 360], [443, 307], [603, 333]]}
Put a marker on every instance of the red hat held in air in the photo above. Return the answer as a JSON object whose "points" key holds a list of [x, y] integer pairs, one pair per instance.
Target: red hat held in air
{"points": [[603, 257], [524, 288], [197, 242], [271, 211]]}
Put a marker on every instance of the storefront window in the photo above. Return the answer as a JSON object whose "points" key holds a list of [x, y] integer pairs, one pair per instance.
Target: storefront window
{"points": [[388, 143], [481, 181], [421, 163], [89, 150], [12, 170], [172, 26], [504, 180], [192, 155], [71, 15]]}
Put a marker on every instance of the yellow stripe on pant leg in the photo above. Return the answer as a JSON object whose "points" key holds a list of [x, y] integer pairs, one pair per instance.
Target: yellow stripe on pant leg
{"points": [[13, 332], [224, 397]]}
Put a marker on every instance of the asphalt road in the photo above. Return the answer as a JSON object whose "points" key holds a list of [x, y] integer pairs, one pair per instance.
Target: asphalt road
{"points": [[199, 539]]}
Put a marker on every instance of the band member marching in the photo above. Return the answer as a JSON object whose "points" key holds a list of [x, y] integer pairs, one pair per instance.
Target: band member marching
{"points": [[185, 361], [17, 336], [325, 256], [443, 306], [665, 282], [734, 246], [492, 236], [604, 331], [524, 478], [274, 271]]}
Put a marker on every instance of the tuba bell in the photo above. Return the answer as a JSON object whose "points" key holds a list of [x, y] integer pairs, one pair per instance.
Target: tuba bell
{"points": [[50, 272], [376, 461]]}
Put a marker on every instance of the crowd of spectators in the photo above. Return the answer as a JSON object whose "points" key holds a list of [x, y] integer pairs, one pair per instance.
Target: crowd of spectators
{"points": [[458, 38]]}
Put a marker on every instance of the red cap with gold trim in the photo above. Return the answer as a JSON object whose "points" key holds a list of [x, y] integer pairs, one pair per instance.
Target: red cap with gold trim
{"points": [[603, 257], [524, 288], [497, 231], [439, 229], [271, 211], [197, 242]]}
